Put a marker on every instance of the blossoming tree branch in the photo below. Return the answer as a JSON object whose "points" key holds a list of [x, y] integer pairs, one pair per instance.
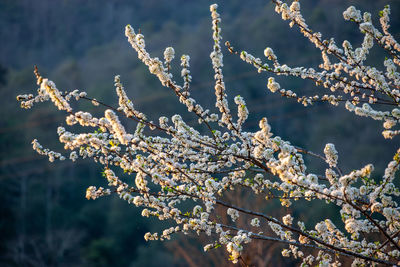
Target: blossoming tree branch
{"points": [[181, 174]]}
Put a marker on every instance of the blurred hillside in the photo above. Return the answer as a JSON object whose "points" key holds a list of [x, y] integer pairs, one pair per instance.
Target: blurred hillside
{"points": [[45, 219]]}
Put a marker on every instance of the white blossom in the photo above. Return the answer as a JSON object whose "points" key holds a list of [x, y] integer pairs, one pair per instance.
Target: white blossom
{"points": [[331, 155], [169, 54], [234, 214]]}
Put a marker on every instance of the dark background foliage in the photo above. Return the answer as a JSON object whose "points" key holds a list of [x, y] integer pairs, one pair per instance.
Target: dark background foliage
{"points": [[45, 219]]}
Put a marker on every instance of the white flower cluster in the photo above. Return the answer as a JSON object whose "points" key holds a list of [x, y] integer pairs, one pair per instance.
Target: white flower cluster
{"points": [[331, 155], [255, 222], [233, 213], [243, 112], [92, 192], [46, 152], [117, 128], [352, 14], [185, 73], [125, 104], [181, 173], [55, 95], [155, 65], [234, 247], [273, 85], [360, 84], [169, 54]]}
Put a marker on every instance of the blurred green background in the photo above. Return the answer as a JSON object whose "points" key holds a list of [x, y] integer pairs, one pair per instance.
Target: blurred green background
{"points": [[80, 44]]}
